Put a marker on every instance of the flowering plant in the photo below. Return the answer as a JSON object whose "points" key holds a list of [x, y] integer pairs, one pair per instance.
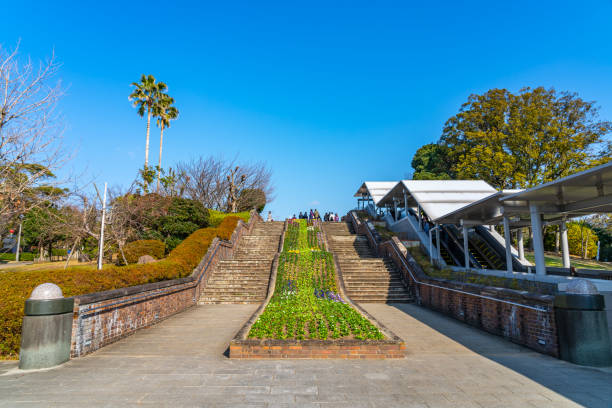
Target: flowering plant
{"points": [[306, 303]]}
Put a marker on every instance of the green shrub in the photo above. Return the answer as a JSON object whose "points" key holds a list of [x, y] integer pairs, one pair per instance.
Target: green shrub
{"points": [[136, 249], [15, 287], [23, 256]]}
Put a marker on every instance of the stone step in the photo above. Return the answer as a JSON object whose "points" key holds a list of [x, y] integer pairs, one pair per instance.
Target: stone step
{"points": [[230, 300], [220, 284], [373, 290], [361, 282], [241, 276], [383, 300], [238, 291]]}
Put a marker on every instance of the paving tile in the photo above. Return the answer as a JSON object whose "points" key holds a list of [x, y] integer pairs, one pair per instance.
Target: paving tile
{"points": [[180, 363]]}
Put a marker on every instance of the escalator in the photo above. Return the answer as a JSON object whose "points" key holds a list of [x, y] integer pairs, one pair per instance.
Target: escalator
{"points": [[484, 238], [481, 257], [450, 238], [492, 258], [485, 251], [448, 259]]}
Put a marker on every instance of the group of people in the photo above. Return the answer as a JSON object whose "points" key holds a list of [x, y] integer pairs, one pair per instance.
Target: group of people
{"points": [[314, 215]]}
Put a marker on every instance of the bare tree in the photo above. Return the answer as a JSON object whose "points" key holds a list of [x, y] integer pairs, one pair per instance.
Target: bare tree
{"points": [[234, 185], [124, 223], [209, 180], [30, 131]]}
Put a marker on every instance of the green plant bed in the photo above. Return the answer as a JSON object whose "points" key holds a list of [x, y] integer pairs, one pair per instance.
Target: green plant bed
{"points": [[306, 303]]}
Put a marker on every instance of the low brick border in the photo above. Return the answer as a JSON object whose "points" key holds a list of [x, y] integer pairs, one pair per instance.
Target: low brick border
{"points": [[243, 348], [311, 349]]}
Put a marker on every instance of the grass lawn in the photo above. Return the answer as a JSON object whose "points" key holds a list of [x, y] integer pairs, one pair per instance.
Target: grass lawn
{"points": [[556, 261]]}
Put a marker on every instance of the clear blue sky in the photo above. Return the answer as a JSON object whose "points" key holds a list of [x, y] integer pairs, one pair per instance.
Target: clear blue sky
{"points": [[328, 94]]}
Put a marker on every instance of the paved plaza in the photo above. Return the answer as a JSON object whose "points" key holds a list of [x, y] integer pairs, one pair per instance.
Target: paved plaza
{"points": [[182, 362]]}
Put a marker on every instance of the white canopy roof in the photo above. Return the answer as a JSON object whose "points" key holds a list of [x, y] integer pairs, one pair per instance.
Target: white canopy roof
{"points": [[375, 189], [588, 191], [439, 197], [486, 211]]}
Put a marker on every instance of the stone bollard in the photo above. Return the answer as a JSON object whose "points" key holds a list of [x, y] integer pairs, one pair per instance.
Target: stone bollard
{"points": [[46, 329], [582, 325]]}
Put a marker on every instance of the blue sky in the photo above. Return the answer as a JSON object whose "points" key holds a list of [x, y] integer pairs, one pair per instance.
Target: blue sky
{"points": [[328, 94]]}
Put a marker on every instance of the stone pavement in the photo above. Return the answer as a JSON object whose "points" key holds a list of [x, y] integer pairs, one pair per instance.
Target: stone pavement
{"points": [[181, 363]]}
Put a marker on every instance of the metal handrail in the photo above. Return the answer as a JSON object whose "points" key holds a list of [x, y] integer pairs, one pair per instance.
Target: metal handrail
{"points": [[538, 308], [401, 257]]}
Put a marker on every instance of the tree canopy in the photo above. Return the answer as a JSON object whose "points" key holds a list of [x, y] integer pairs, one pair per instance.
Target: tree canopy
{"points": [[518, 140], [431, 162]]}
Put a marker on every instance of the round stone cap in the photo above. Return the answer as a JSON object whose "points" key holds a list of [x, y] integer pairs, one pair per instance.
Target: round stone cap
{"points": [[581, 287], [47, 291]]}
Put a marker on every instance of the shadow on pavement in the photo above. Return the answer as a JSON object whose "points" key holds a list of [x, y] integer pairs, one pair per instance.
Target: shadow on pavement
{"points": [[590, 387]]}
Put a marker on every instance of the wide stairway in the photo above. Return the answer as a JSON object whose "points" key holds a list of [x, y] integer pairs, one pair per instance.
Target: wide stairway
{"points": [[367, 278], [245, 277]]}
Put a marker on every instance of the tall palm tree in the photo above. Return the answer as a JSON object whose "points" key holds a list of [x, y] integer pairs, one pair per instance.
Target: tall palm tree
{"points": [[144, 97], [165, 112]]}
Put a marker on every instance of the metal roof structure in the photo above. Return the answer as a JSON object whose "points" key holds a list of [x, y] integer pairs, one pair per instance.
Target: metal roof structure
{"points": [[375, 189], [487, 211], [437, 197], [586, 192]]}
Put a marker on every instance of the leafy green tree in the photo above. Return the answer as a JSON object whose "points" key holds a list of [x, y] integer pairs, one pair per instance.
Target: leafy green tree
{"points": [[42, 228], [581, 239], [165, 112], [145, 95], [524, 139], [431, 162], [180, 218]]}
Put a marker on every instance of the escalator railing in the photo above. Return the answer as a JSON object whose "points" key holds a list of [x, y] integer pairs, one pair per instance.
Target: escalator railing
{"points": [[485, 236], [451, 237]]}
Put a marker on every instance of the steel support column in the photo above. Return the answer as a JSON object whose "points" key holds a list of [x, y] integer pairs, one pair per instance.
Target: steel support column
{"points": [[466, 251], [420, 217], [508, 243], [438, 243], [538, 242], [564, 244], [521, 245]]}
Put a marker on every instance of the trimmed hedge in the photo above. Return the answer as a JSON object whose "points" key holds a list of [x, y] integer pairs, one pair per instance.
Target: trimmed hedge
{"points": [[215, 217], [24, 256], [15, 287], [136, 249]]}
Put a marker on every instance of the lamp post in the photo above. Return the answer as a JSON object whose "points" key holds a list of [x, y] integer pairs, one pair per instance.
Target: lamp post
{"points": [[19, 238], [101, 248]]}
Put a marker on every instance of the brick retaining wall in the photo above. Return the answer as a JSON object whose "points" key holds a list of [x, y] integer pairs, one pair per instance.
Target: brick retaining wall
{"points": [[342, 349], [102, 318], [521, 317]]}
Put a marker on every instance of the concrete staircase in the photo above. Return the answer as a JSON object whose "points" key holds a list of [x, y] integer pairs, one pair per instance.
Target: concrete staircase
{"points": [[367, 278], [245, 277]]}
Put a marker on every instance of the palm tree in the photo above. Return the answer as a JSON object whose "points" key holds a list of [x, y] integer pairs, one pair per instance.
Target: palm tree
{"points": [[144, 97], [165, 112]]}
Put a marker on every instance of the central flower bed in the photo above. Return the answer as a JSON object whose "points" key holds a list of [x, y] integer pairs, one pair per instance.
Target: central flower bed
{"points": [[306, 303]]}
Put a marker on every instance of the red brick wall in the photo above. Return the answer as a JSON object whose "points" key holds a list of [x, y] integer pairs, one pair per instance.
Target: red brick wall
{"points": [[104, 317]]}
